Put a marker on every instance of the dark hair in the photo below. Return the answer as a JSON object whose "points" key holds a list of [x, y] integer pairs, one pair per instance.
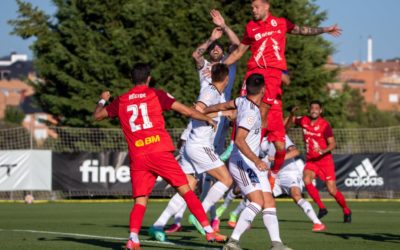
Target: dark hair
{"points": [[212, 46], [218, 72], [316, 102], [140, 72], [264, 1], [254, 84]]}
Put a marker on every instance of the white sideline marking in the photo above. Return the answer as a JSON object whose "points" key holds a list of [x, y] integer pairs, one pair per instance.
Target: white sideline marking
{"points": [[106, 237]]}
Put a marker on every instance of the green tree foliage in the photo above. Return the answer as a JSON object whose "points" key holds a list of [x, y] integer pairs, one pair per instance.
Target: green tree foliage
{"points": [[14, 115]]}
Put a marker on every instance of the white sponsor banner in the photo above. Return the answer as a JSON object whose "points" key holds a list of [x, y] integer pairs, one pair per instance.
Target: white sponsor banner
{"points": [[25, 170]]}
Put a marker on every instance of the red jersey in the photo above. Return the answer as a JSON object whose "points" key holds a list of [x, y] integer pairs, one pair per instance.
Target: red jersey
{"points": [[267, 41], [140, 115], [315, 135]]}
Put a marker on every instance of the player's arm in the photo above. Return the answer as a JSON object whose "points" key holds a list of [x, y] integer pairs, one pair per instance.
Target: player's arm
{"points": [[333, 30], [331, 146], [220, 107], [230, 114], [240, 142], [100, 112], [220, 22], [291, 118], [198, 54], [285, 78], [192, 113], [236, 54], [292, 152]]}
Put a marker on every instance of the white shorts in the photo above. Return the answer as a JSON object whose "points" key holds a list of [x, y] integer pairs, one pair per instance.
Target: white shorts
{"points": [[201, 158], [248, 177], [289, 179]]}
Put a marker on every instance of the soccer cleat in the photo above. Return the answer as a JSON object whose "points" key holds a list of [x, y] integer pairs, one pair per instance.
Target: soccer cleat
{"points": [[276, 245], [232, 220], [232, 245], [193, 221], [318, 227], [220, 211], [322, 212], [157, 234], [215, 225], [173, 228], [347, 218], [227, 153], [216, 237], [130, 245]]}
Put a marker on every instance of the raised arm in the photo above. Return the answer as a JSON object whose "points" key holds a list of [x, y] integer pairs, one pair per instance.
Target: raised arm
{"points": [[192, 113], [220, 107], [236, 54], [220, 22], [292, 117], [197, 55], [333, 30], [100, 112]]}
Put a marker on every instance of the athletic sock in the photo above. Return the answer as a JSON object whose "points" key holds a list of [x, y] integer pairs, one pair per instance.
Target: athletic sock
{"points": [[271, 223], [214, 194], [136, 218], [195, 207], [179, 215], [313, 192], [134, 237], [309, 211], [245, 220], [279, 160], [342, 202], [240, 207], [229, 198], [174, 205]]}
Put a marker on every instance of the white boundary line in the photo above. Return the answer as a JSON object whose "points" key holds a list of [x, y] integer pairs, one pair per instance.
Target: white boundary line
{"points": [[105, 237]]}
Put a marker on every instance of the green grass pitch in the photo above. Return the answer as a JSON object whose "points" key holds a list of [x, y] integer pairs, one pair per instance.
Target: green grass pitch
{"points": [[104, 225]]}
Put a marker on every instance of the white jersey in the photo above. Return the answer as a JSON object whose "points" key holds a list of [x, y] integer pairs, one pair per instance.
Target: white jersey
{"points": [[249, 118], [268, 149], [202, 133]]}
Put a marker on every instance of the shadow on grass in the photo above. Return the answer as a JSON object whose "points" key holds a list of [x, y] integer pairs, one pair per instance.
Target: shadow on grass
{"points": [[384, 237]]}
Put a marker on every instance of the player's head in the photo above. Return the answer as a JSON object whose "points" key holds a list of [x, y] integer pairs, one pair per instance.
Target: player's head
{"points": [[140, 74], [255, 85], [260, 9], [220, 73], [315, 109], [216, 51]]}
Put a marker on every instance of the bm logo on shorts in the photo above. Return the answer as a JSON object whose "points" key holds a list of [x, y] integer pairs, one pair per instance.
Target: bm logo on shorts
{"points": [[147, 141]]}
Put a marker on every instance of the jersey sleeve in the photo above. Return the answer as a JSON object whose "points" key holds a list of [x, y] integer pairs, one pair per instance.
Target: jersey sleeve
{"points": [[247, 120], [113, 108], [246, 40], [289, 25], [288, 142], [166, 100], [328, 132], [207, 97]]}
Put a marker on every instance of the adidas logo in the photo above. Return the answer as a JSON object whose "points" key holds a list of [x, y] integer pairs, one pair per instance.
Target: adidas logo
{"points": [[364, 175]]}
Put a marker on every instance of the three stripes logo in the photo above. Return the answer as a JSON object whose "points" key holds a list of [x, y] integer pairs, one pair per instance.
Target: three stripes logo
{"points": [[364, 175]]}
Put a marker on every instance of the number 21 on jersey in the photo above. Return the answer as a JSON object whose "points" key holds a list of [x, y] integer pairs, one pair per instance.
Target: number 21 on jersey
{"points": [[135, 113]]}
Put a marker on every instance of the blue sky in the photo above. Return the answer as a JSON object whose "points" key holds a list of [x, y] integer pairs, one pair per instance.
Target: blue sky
{"points": [[358, 19]]}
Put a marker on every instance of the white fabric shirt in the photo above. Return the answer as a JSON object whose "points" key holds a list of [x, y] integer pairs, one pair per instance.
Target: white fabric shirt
{"points": [[268, 149]]}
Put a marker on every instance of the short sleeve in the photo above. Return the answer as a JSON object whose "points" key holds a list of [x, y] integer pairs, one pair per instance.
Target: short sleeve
{"points": [[289, 25], [247, 121], [288, 142], [207, 97], [328, 132], [246, 38], [166, 100], [113, 108]]}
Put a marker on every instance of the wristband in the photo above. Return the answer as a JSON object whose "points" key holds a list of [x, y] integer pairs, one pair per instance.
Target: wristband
{"points": [[102, 102]]}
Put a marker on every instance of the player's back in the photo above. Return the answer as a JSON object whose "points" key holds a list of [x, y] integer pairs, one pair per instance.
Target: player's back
{"points": [[140, 113]]}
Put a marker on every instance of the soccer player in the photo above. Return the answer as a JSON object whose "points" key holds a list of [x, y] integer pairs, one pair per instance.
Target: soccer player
{"points": [[265, 36], [150, 147], [320, 142], [247, 169], [289, 178]]}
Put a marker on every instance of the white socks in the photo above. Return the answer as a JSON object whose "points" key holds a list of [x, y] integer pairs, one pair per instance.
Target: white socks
{"points": [[174, 205], [179, 215], [271, 223], [214, 194], [229, 198], [245, 220], [239, 208], [134, 237], [309, 211]]}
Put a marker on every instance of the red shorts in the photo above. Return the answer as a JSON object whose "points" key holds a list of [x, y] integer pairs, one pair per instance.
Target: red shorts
{"points": [[323, 168], [275, 126], [146, 168]]}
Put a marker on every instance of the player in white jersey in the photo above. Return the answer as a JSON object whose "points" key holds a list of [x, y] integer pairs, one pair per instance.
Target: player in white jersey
{"points": [[247, 169], [289, 178]]}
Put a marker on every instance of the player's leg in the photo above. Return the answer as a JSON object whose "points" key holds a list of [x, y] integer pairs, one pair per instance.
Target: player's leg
{"points": [[234, 215], [230, 196], [333, 191], [207, 183], [309, 174]]}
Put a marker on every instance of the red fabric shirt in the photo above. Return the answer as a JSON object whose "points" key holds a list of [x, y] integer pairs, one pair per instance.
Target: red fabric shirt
{"points": [[315, 135], [267, 41], [140, 114]]}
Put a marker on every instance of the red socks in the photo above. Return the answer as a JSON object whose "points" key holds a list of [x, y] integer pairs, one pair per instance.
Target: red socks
{"points": [[279, 160], [196, 208], [313, 192], [342, 202], [136, 217]]}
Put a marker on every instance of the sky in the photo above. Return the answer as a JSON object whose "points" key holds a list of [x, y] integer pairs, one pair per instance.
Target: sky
{"points": [[359, 19]]}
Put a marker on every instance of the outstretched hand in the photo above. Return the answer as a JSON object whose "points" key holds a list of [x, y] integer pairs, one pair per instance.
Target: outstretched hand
{"points": [[334, 30], [217, 18], [105, 95], [216, 34]]}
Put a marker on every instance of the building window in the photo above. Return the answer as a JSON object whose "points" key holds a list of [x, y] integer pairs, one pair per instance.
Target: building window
{"points": [[393, 98], [5, 75]]}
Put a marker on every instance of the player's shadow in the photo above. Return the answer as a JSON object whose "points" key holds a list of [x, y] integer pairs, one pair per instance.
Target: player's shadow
{"points": [[384, 237], [92, 242]]}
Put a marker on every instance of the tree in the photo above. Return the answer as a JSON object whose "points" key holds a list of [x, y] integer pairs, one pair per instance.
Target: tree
{"points": [[89, 46]]}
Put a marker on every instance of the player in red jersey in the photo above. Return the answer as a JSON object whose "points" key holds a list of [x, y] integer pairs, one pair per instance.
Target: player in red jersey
{"points": [[265, 36], [320, 142], [150, 147]]}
